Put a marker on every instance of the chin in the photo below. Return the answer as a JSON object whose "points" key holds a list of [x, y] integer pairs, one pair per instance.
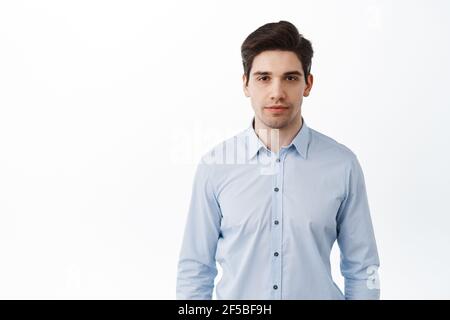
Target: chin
{"points": [[276, 123]]}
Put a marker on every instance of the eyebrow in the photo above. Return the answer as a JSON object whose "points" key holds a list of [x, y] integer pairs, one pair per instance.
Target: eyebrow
{"points": [[265, 73]]}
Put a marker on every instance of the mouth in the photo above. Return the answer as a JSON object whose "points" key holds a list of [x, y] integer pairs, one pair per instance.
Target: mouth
{"points": [[276, 109]]}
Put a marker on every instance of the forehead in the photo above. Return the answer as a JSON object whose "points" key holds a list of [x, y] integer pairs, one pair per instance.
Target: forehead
{"points": [[276, 61]]}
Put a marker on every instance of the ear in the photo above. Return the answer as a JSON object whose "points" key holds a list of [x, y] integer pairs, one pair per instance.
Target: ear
{"points": [[244, 80], [309, 84]]}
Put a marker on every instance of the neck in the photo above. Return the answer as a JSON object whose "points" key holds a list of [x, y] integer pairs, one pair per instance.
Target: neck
{"points": [[274, 138]]}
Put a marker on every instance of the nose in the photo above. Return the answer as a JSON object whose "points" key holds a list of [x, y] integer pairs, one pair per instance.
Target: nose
{"points": [[277, 91]]}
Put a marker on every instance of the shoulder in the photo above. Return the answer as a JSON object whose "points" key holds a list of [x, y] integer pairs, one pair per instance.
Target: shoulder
{"points": [[225, 150], [322, 145]]}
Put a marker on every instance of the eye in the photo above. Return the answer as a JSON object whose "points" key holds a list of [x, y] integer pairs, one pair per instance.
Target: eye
{"points": [[262, 78], [293, 78]]}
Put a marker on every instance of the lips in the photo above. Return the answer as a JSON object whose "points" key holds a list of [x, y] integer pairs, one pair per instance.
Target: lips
{"points": [[276, 108]]}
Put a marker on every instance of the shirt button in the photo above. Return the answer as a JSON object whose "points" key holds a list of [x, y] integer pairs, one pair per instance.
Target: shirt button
{"points": [[276, 222], [276, 189], [278, 160], [276, 254], [275, 287]]}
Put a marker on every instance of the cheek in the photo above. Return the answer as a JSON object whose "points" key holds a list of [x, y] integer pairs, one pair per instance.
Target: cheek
{"points": [[298, 97], [257, 101]]}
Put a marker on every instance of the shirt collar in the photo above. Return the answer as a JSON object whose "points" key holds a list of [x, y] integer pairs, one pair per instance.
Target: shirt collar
{"points": [[300, 141]]}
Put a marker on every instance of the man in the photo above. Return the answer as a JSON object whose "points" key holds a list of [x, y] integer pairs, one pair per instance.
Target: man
{"points": [[269, 203]]}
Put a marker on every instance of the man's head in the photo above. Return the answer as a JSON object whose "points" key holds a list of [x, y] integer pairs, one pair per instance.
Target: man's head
{"points": [[277, 63]]}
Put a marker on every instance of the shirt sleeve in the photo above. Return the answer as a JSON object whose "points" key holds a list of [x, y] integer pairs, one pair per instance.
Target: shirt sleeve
{"points": [[356, 239], [197, 266]]}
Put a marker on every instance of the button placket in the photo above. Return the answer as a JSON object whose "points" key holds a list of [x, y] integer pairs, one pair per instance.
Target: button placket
{"points": [[277, 227]]}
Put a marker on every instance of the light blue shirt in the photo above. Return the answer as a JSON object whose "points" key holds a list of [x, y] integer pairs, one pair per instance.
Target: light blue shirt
{"points": [[270, 221]]}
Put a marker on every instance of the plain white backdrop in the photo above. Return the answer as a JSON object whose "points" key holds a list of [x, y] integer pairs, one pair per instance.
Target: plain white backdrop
{"points": [[106, 106]]}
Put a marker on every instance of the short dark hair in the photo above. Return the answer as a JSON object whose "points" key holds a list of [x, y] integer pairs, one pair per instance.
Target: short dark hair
{"points": [[281, 35]]}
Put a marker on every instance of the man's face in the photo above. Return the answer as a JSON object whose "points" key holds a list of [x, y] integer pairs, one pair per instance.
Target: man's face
{"points": [[276, 79]]}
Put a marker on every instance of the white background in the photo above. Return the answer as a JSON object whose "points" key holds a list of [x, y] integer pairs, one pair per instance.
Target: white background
{"points": [[106, 106]]}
